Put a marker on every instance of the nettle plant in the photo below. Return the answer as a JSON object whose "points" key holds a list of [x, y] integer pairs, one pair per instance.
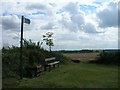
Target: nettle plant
{"points": [[48, 39]]}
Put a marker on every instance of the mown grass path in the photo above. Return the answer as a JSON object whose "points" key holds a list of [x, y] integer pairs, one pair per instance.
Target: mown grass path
{"points": [[73, 75]]}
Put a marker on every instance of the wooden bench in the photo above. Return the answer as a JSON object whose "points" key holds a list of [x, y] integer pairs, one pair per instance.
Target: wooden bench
{"points": [[50, 62]]}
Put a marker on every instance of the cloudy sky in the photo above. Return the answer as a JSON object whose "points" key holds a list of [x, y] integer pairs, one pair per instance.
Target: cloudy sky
{"points": [[76, 24]]}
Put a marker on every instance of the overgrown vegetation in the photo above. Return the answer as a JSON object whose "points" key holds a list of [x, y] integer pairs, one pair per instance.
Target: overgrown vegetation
{"points": [[108, 58], [33, 54]]}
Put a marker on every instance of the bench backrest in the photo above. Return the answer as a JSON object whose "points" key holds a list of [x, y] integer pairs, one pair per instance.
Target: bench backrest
{"points": [[49, 59]]}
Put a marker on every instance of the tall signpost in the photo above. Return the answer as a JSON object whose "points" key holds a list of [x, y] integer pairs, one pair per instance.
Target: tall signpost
{"points": [[21, 60], [23, 20]]}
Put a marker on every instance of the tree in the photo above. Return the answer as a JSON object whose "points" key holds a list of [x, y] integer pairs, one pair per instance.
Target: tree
{"points": [[48, 39]]}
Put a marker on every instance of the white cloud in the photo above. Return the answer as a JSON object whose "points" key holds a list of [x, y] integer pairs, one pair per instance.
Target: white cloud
{"points": [[73, 28], [35, 6], [90, 28], [108, 15], [50, 25], [38, 7], [10, 23], [75, 19]]}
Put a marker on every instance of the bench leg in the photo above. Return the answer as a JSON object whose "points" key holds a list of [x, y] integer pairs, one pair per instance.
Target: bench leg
{"points": [[44, 68], [54, 66], [49, 68]]}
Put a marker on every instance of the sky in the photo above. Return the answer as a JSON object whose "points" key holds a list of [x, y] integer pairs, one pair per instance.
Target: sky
{"points": [[76, 24]]}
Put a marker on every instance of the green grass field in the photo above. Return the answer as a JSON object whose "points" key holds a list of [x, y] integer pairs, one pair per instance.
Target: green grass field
{"points": [[73, 75]]}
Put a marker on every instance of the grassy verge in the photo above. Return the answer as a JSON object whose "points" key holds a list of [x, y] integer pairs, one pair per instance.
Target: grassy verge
{"points": [[74, 75]]}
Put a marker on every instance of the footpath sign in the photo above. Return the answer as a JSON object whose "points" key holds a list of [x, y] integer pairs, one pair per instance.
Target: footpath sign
{"points": [[23, 20]]}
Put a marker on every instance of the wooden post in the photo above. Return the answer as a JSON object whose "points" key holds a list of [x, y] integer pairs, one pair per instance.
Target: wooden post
{"points": [[21, 59]]}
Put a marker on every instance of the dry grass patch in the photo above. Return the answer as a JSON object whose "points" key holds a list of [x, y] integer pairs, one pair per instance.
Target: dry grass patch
{"points": [[82, 56]]}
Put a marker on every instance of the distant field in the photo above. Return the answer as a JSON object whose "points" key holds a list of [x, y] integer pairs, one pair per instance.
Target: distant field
{"points": [[82, 56]]}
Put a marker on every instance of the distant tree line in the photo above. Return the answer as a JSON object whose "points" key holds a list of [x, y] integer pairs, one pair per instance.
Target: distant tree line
{"points": [[86, 51]]}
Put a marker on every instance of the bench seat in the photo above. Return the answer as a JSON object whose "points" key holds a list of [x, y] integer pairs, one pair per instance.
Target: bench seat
{"points": [[56, 62]]}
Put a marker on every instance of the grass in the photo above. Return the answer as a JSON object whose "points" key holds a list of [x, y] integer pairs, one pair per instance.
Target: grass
{"points": [[74, 75], [9, 83]]}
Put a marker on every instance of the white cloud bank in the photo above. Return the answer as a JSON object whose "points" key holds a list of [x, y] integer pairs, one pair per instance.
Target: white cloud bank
{"points": [[74, 27]]}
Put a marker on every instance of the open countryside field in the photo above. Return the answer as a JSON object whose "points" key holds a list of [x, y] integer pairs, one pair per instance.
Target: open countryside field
{"points": [[84, 57]]}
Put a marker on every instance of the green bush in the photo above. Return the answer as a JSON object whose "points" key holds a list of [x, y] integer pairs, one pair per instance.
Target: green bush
{"points": [[60, 57], [109, 58], [10, 63], [33, 54]]}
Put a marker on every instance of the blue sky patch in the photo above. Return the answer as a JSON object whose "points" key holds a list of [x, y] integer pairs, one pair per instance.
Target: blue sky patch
{"points": [[59, 11], [36, 13], [20, 16], [87, 8], [99, 3], [5, 14]]}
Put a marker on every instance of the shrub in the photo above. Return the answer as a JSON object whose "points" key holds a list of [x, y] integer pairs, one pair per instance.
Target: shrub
{"points": [[60, 57], [108, 58], [10, 63], [33, 54]]}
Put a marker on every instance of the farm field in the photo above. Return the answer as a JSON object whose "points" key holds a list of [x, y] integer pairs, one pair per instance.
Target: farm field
{"points": [[72, 75], [84, 57]]}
